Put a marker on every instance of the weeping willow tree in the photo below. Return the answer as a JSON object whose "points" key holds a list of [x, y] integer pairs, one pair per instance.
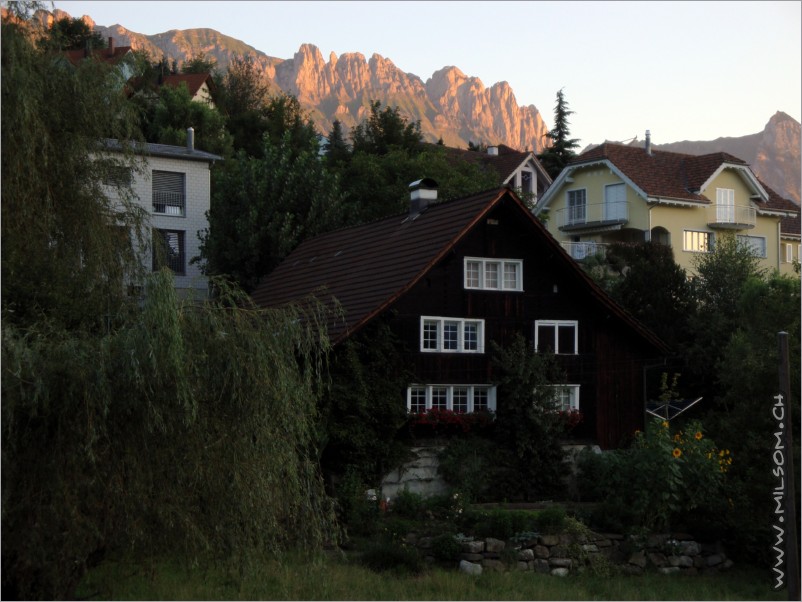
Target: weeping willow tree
{"points": [[161, 429], [188, 430]]}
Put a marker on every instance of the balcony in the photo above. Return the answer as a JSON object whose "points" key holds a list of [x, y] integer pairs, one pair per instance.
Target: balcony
{"points": [[731, 217], [168, 203], [581, 250], [596, 216]]}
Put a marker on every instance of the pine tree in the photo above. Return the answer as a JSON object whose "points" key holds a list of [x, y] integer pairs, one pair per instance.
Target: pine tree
{"points": [[561, 150]]}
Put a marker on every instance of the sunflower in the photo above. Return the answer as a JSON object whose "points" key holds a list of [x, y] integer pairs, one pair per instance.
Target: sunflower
{"points": [[698, 435], [677, 452], [665, 424]]}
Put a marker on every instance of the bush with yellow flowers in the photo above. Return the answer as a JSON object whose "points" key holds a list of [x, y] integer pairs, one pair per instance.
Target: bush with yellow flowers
{"points": [[664, 475]]}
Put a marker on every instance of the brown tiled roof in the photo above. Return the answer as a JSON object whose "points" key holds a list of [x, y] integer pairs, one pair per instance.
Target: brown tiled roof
{"points": [[194, 81], [779, 203], [504, 164], [366, 268], [104, 54], [661, 174]]}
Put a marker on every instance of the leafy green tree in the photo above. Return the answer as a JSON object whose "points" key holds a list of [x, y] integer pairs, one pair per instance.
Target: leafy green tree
{"points": [[200, 63], [72, 34], [377, 186], [64, 248], [720, 278], [384, 130], [263, 207], [243, 95], [528, 427], [222, 396], [561, 150], [747, 381], [169, 117], [223, 401], [364, 408], [653, 288]]}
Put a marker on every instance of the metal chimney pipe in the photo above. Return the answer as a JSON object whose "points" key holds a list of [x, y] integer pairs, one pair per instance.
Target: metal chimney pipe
{"points": [[190, 139], [648, 143]]}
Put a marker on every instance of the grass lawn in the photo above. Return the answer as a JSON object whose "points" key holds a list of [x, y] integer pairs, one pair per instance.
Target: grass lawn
{"points": [[339, 579]]}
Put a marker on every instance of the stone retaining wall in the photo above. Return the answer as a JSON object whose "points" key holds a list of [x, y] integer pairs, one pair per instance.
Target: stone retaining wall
{"points": [[563, 554]]}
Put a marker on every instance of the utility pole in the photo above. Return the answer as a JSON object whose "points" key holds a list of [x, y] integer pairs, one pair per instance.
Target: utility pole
{"points": [[791, 549]]}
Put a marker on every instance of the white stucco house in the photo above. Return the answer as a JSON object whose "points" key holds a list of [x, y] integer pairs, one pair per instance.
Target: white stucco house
{"points": [[172, 185]]}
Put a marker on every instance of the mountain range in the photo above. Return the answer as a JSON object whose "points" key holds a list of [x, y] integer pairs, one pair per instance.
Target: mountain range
{"points": [[450, 106]]}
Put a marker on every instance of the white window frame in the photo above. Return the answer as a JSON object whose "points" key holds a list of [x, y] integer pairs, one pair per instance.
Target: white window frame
{"points": [[573, 398], [440, 324], [172, 243], [557, 324], [696, 245], [758, 250], [500, 265], [573, 214], [171, 203], [471, 390]]}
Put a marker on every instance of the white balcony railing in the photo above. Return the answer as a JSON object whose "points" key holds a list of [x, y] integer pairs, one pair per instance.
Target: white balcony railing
{"points": [[731, 216], [581, 250], [578, 216]]}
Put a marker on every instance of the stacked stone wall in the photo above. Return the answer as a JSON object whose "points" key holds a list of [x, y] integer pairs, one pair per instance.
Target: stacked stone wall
{"points": [[563, 554]]}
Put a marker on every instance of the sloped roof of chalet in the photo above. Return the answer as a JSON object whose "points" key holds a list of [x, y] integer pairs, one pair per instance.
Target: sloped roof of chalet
{"points": [[194, 81], [664, 174], [367, 268], [107, 55], [504, 164], [162, 150]]}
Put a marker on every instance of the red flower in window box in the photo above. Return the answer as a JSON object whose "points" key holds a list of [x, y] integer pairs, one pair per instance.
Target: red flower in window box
{"points": [[438, 421]]}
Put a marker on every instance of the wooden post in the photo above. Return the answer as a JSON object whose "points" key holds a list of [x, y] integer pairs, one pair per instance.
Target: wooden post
{"points": [[791, 549]]}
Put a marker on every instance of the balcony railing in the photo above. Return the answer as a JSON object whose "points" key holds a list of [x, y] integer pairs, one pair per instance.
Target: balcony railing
{"points": [[585, 216], [581, 250], [168, 203], [736, 217]]}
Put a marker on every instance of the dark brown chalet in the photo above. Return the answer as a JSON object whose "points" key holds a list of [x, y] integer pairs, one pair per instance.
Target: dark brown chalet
{"points": [[450, 278]]}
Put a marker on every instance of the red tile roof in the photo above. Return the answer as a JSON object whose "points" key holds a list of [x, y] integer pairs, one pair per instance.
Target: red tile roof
{"points": [[366, 268], [194, 81], [504, 164], [107, 55], [671, 175]]}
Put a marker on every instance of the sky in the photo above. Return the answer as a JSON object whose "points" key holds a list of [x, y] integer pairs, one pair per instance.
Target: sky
{"points": [[683, 70]]}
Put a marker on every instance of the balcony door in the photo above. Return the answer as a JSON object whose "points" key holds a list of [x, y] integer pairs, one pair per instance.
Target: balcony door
{"points": [[615, 202], [725, 206]]}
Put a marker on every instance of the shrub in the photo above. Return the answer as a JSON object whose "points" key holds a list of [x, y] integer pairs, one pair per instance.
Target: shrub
{"points": [[408, 504], [468, 464], [657, 481], [551, 519], [386, 555], [445, 547], [359, 513]]}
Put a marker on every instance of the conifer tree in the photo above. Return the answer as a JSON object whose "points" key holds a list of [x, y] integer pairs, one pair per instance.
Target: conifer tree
{"points": [[561, 150]]}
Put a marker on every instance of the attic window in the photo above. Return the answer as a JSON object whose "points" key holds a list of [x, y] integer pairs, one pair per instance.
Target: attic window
{"points": [[492, 222], [493, 274]]}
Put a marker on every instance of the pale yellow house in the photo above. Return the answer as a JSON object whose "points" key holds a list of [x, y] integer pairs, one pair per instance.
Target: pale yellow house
{"points": [[618, 193]]}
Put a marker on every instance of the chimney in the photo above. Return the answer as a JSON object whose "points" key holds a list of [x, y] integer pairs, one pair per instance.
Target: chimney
{"points": [[648, 144], [421, 193], [111, 46], [492, 151], [190, 139]]}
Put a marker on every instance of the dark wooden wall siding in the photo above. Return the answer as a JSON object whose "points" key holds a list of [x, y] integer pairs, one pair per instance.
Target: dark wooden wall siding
{"points": [[608, 360]]}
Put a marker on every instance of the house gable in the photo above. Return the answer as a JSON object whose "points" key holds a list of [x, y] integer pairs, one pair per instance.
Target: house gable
{"points": [[420, 273]]}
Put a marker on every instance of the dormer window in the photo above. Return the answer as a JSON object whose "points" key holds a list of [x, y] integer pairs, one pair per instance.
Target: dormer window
{"points": [[493, 274]]}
